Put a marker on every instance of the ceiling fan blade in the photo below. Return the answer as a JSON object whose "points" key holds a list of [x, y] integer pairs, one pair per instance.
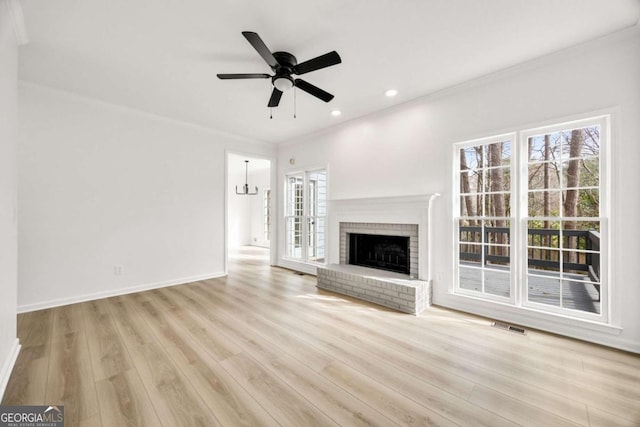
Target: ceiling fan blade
{"points": [[262, 48], [313, 90], [322, 61], [275, 98], [243, 76]]}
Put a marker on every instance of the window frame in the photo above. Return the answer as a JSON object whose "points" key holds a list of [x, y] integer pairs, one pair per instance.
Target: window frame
{"points": [[604, 178], [457, 217], [519, 218]]}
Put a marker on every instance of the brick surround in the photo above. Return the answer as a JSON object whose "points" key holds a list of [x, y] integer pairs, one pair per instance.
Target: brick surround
{"points": [[392, 290]]}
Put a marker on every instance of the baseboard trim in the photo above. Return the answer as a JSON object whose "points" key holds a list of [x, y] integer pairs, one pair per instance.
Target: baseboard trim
{"points": [[298, 266], [112, 293], [7, 367]]}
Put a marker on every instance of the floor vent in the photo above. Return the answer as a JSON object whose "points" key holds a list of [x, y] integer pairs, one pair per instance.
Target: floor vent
{"points": [[508, 327]]}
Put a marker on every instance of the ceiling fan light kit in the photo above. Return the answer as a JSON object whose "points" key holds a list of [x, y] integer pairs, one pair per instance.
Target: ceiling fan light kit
{"points": [[283, 65]]}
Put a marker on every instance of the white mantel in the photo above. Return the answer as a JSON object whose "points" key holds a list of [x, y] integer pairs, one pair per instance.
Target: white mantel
{"points": [[386, 210]]}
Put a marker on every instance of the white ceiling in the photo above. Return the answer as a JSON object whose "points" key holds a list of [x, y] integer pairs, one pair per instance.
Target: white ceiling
{"points": [[162, 56]]}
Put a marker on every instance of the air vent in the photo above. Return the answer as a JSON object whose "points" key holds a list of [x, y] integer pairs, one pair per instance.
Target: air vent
{"points": [[507, 327]]}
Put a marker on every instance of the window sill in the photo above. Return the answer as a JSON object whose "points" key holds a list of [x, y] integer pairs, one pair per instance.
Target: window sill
{"points": [[588, 330]]}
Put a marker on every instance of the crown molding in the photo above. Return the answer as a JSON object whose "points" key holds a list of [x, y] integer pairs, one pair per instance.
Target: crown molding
{"points": [[17, 18]]}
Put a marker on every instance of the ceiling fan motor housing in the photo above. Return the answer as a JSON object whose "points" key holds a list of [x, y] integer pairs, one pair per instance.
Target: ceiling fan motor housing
{"points": [[282, 79]]}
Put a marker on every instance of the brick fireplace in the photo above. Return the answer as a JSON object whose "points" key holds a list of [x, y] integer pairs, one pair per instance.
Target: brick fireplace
{"points": [[395, 220]]}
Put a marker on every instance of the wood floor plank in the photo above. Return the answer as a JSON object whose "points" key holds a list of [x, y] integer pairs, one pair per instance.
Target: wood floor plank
{"points": [[272, 394], [66, 320], [70, 381], [124, 401], [28, 381], [107, 352]]}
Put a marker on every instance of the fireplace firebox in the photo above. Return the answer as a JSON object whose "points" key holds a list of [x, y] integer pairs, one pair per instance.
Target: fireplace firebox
{"points": [[380, 251]]}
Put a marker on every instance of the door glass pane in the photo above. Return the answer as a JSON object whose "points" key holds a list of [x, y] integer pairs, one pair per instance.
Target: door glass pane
{"points": [[293, 228]]}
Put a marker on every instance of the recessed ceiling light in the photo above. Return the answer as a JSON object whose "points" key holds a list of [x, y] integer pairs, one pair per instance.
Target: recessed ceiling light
{"points": [[391, 92], [336, 113]]}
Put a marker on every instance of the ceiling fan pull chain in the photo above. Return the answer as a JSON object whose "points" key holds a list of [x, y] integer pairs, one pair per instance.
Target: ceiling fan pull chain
{"points": [[295, 104], [271, 113]]}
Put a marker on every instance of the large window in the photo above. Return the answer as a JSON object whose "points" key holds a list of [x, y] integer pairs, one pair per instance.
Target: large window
{"points": [[531, 218], [485, 247], [305, 212]]}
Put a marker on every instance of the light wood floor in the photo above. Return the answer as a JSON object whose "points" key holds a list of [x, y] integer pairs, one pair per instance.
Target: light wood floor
{"points": [[265, 347]]}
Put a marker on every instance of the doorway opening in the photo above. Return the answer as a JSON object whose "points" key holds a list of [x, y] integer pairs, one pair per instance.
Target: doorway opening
{"points": [[250, 204]]}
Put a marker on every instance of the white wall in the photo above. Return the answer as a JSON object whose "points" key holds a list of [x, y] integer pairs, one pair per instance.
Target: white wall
{"points": [[408, 150], [103, 186], [8, 189]]}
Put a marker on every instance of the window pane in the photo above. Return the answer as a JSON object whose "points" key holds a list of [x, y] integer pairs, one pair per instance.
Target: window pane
{"points": [[295, 199], [583, 172], [497, 179], [497, 256], [544, 147], [544, 203], [470, 231], [498, 154], [471, 182], [316, 230], [542, 259], [470, 253], [317, 186], [471, 158], [581, 202], [497, 231], [544, 234], [581, 295], [544, 175], [582, 142], [471, 205], [470, 278], [544, 289], [497, 204], [497, 282]]}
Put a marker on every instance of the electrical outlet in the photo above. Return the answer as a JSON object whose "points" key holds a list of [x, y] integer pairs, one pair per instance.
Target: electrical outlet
{"points": [[439, 276], [118, 270]]}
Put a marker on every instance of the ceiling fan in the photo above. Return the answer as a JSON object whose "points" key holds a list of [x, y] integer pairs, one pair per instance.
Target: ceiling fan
{"points": [[284, 65]]}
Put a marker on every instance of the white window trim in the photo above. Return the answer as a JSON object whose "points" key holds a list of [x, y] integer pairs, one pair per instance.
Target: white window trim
{"points": [[518, 300]]}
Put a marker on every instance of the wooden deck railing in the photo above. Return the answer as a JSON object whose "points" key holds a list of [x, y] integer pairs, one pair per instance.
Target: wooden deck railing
{"points": [[544, 251]]}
